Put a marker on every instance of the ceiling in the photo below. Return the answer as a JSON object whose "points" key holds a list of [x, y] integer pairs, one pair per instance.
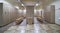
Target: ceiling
{"points": [[30, 3], [42, 3]]}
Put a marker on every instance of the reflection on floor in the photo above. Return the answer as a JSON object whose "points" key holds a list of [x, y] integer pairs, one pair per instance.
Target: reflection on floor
{"points": [[34, 28]]}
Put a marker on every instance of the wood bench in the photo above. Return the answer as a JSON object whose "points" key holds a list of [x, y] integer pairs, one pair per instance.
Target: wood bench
{"points": [[19, 20], [40, 19]]}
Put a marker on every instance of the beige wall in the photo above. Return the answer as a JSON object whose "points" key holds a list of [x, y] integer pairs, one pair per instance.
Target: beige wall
{"points": [[49, 14], [9, 13], [57, 11]]}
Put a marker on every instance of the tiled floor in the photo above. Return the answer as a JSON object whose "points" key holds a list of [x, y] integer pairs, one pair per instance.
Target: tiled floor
{"points": [[2, 29], [34, 28]]}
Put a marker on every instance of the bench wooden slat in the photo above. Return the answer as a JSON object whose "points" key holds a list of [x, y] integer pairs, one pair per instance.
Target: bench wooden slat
{"points": [[19, 20]]}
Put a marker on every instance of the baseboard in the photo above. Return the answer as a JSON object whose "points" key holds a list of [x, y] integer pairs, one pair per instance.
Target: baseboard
{"points": [[5, 24]]}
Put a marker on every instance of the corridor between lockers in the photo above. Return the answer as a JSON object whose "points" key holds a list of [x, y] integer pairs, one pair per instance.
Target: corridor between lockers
{"points": [[29, 16]]}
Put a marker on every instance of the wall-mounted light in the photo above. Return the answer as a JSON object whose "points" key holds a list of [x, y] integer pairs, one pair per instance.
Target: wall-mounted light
{"points": [[37, 4], [22, 4], [24, 11], [17, 7], [35, 10]]}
